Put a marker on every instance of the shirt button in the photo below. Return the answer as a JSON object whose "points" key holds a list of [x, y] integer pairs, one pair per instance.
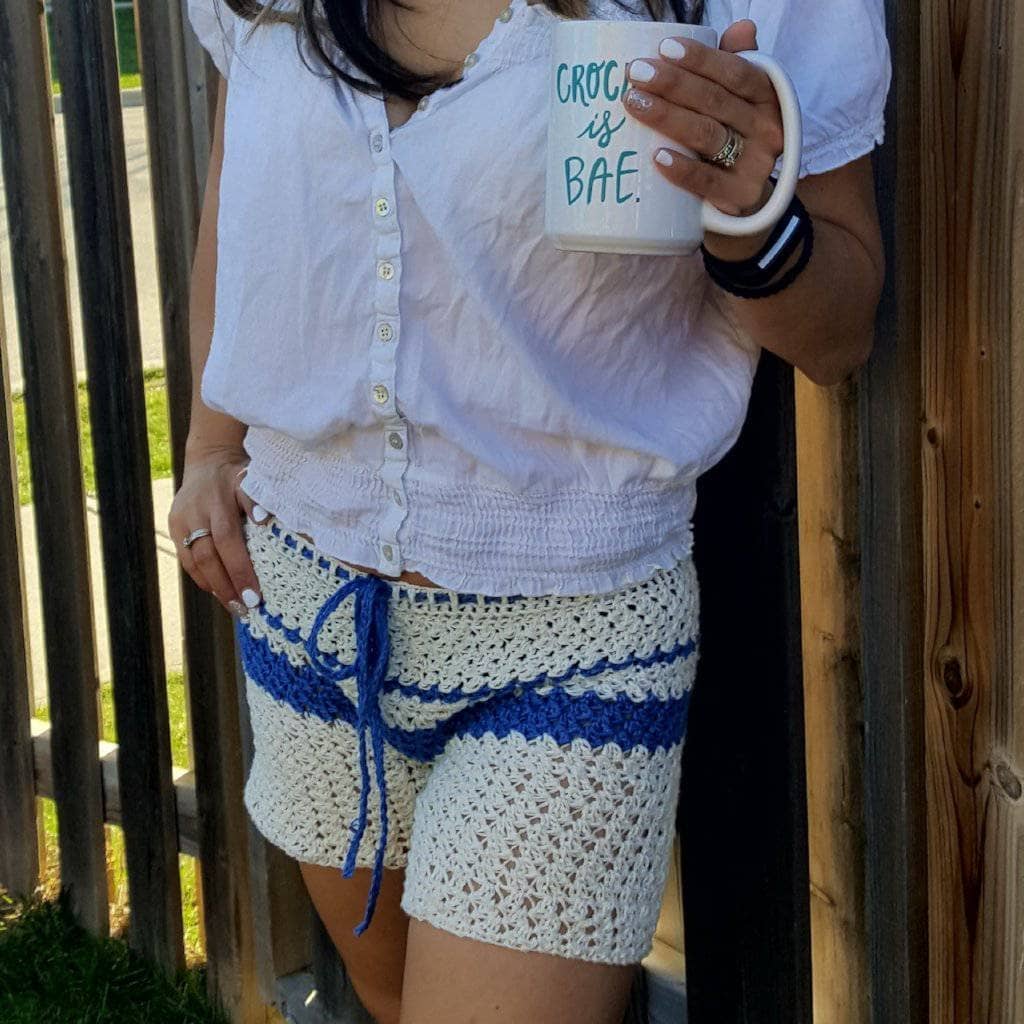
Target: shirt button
{"points": [[470, 60], [376, 141], [423, 103], [387, 552], [395, 440], [382, 206], [385, 270], [380, 394], [506, 15], [396, 497], [385, 332]]}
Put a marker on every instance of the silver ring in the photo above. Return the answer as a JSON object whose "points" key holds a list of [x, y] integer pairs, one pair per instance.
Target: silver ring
{"points": [[730, 151], [196, 535]]}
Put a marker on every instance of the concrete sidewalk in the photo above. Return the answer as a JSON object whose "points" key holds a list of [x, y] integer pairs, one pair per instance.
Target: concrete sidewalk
{"points": [[167, 566]]}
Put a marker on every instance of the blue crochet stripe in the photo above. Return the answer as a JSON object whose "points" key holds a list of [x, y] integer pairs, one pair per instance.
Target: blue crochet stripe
{"points": [[416, 596], [435, 693], [651, 723]]}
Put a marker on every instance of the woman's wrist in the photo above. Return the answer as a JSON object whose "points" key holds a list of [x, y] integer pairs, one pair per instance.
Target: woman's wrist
{"points": [[730, 247], [201, 449]]}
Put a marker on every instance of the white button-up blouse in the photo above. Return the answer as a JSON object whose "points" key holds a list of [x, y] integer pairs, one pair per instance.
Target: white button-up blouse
{"points": [[429, 384]]}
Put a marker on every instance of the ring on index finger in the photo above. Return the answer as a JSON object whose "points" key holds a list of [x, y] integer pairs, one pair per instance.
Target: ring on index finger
{"points": [[731, 149]]}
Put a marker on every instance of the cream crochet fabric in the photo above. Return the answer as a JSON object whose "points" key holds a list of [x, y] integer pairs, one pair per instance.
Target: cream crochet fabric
{"points": [[531, 746]]}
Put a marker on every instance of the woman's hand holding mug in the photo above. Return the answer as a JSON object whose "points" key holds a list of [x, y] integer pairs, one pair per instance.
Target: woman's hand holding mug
{"points": [[692, 94]]}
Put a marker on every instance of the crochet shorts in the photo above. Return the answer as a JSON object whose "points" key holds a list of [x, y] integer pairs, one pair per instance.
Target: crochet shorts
{"points": [[518, 756]]}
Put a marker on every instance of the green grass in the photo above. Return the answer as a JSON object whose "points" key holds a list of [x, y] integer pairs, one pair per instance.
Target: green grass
{"points": [[156, 422], [53, 972], [180, 756]]}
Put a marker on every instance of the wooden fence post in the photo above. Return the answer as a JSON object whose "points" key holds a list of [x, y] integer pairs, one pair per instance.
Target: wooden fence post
{"points": [[827, 459], [19, 854], [84, 43], [891, 567], [51, 402]]}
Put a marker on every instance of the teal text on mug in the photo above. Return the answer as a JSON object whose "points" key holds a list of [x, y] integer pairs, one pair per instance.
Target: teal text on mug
{"points": [[604, 193]]}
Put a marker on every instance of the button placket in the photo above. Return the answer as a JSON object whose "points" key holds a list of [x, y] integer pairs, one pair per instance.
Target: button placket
{"points": [[384, 331]]}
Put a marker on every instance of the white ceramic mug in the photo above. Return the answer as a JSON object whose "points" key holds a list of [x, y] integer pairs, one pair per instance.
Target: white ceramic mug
{"points": [[604, 192]]}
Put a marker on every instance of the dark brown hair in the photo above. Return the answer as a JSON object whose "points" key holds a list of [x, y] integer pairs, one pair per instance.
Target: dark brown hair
{"points": [[348, 27]]}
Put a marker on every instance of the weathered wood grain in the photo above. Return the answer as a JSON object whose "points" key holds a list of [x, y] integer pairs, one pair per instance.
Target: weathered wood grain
{"points": [[86, 52], [827, 483], [891, 598], [184, 785], [51, 402], [972, 228], [19, 858]]}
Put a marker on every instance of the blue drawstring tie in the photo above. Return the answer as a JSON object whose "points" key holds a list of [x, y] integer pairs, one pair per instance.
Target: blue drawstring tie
{"points": [[373, 649]]}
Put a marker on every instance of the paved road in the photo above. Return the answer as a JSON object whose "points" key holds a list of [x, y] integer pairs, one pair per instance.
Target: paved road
{"points": [[145, 254]]}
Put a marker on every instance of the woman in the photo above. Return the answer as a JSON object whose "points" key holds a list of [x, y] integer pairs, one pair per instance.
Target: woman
{"points": [[444, 474]]}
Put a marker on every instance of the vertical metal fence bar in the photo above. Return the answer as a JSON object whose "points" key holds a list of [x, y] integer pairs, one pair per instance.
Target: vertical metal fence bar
{"points": [[19, 853], [84, 37], [743, 808], [892, 565], [51, 400]]}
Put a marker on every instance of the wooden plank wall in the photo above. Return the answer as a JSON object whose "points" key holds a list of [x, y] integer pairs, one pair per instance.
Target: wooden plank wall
{"points": [[972, 237]]}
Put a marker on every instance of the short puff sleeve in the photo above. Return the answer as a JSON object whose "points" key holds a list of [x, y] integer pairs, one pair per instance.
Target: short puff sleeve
{"points": [[837, 55], [216, 28]]}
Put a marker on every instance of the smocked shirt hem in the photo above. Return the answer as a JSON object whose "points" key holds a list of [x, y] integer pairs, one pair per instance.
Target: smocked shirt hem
{"points": [[582, 543]]}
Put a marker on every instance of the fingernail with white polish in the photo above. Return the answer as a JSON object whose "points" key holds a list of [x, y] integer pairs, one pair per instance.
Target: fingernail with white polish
{"points": [[664, 157], [260, 514], [639, 100], [238, 609], [642, 71], [250, 597], [672, 48]]}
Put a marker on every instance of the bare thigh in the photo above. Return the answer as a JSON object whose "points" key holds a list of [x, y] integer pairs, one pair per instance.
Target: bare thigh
{"points": [[374, 960], [462, 981]]}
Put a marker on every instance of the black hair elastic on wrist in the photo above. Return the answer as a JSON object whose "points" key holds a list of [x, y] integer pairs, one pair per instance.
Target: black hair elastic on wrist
{"points": [[755, 277]]}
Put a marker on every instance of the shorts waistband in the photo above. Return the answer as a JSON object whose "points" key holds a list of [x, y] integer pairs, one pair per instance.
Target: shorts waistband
{"points": [[402, 591]]}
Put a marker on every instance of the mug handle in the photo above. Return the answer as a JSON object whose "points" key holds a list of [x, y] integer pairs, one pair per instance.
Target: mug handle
{"points": [[754, 223]]}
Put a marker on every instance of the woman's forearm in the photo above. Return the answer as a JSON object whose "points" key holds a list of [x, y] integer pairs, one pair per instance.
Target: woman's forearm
{"points": [[208, 430], [823, 322]]}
